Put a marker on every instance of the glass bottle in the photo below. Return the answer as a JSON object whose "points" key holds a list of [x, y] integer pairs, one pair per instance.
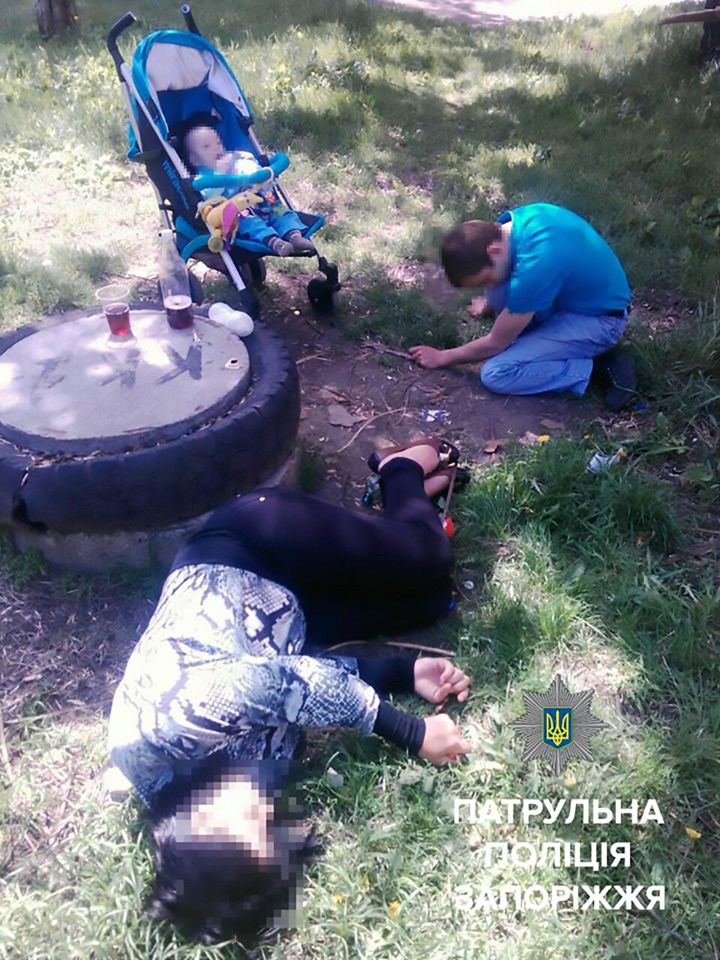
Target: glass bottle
{"points": [[174, 284]]}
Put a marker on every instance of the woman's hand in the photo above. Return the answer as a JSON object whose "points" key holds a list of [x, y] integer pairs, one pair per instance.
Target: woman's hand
{"points": [[442, 741], [436, 679]]}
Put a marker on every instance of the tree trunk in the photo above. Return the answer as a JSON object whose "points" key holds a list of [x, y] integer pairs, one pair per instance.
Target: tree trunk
{"points": [[54, 16], [710, 43]]}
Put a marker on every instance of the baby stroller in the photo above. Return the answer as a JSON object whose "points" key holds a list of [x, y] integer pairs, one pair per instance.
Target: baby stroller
{"points": [[175, 76]]}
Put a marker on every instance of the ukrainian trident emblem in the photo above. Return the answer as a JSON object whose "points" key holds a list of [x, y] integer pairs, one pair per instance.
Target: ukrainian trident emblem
{"points": [[557, 725]]}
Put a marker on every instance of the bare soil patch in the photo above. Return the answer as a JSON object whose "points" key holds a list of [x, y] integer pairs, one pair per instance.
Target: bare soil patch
{"points": [[64, 642]]}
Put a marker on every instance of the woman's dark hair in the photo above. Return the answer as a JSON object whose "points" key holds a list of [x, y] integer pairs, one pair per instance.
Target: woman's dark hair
{"points": [[464, 249], [216, 890]]}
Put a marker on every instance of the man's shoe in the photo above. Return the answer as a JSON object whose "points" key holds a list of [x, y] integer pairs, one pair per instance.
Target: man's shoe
{"points": [[618, 372]]}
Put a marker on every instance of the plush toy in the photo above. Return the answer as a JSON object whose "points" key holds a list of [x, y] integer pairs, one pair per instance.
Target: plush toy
{"points": [[235, 199], [221, 217]]}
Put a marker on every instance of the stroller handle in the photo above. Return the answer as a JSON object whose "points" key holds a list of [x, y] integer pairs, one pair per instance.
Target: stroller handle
{"points": [[113, 33], [189, 19]]}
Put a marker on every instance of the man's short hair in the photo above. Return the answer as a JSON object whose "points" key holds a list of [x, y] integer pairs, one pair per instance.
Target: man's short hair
{"points": [[464, 249], [219, 890]]}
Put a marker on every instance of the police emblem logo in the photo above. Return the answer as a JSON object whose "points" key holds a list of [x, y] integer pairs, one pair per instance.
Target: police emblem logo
{"points": [[557, 725]]}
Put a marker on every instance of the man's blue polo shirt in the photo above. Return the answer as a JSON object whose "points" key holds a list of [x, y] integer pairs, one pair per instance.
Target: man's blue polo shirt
{"points": [[559, 263]]}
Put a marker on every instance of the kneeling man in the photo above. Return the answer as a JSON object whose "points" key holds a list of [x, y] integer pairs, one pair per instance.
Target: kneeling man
{"points": [[561, 297]]}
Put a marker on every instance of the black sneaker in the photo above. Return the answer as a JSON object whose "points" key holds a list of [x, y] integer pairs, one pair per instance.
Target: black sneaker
{"points": [[617, 370]]}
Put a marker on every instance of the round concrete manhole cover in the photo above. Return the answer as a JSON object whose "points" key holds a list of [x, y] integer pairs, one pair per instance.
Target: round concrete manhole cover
{"points": [[73, 388], [99, 436]]}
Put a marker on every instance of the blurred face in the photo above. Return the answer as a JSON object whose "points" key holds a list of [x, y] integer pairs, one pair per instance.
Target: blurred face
{"points": [[232, 810], [497, 272], [204, 147]]}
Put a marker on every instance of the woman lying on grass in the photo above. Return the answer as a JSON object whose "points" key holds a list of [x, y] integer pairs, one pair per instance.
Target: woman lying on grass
{"points": [[211, 708]]}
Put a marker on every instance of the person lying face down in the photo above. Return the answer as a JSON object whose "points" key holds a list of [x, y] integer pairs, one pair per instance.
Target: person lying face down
{"points": [[273, 223], [211, 708]]}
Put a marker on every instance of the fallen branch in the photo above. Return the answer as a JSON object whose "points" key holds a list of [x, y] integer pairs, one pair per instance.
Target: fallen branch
{"points": [[698, 951], [381, 348], [367, 423], [313, 356], [397, 643]]}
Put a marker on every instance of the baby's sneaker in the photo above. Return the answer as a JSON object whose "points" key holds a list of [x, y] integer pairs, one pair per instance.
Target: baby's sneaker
{"points": [[301, 245], [280, 247]]}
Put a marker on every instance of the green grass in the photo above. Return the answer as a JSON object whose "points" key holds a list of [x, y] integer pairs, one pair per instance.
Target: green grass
{"points": [[19, 569], [398, 126], [572, 589], [312, 468]]}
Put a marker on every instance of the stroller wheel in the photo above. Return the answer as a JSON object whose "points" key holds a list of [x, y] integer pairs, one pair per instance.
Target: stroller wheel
{"points": [[196, 288], [249, 303], [322, 296], [258, 271]]}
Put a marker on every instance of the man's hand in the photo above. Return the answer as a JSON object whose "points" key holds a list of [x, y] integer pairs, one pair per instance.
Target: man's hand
{"points": [[478, 306], [436, 679], [442, 740], [428, 357]]}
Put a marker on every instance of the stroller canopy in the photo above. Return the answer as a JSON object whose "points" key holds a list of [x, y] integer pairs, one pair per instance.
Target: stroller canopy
{"points": [[179, 74]]}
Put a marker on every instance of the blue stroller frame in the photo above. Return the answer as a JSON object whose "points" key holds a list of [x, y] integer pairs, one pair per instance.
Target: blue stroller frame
{"points": [[175, 76]]}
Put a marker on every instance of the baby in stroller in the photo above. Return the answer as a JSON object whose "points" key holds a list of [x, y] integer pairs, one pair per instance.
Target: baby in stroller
{"points": [[269, 221], [179, 81]]}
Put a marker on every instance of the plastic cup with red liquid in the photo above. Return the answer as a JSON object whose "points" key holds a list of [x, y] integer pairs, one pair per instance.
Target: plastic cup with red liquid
{"points": [[114, 299]]}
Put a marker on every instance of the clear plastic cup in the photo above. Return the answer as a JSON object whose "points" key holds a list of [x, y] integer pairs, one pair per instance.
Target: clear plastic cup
{"points": [[114, 299]]}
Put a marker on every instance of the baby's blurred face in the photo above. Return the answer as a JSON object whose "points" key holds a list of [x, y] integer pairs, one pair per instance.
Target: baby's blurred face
{"points": [[204, 147]]}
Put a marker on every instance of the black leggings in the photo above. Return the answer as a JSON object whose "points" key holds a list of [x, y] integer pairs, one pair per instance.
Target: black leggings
{"points": [[355, 575]]}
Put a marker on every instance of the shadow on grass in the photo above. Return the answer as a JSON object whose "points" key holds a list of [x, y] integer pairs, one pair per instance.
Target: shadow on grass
{"points": [[607, 140], [480, 119]]}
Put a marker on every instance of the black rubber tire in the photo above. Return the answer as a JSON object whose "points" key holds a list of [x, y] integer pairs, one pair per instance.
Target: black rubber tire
{"points": [[172, 482], [13, 467], [322, 297]]}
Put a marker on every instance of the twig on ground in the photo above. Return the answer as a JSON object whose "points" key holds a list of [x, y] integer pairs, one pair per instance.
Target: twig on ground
{"points": [[406, 392], [367, 423], [381, 348], [397, 643], [698, 951], [421, 646], [313, 356]]}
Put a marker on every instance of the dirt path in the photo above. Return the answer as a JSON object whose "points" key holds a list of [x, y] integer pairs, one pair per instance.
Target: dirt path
{"points": [[360, 396], [67, 639], [356, 397], [494, 12]]}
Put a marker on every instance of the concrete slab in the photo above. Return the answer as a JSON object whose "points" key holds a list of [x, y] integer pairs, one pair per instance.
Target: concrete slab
{"points": [[70, 387]]}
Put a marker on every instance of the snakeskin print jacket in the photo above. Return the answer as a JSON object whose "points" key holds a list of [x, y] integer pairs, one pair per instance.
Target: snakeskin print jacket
{"points": [[220, 667]]}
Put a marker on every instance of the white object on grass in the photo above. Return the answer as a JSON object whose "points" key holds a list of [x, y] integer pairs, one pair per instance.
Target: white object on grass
{"points": [[600, 461], [238, 321]]}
